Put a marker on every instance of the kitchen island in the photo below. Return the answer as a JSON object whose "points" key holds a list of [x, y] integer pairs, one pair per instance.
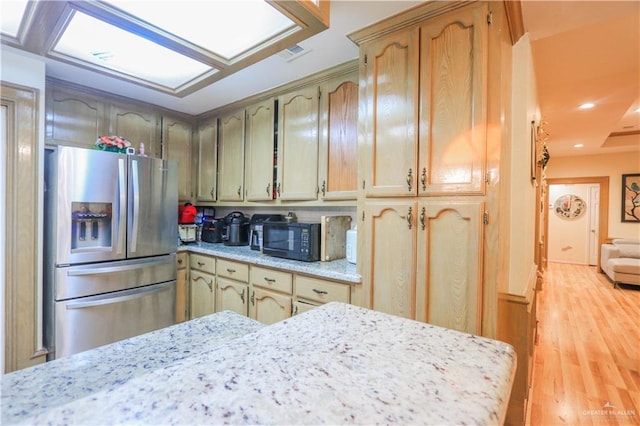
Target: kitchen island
{"points": [[336, 364]]}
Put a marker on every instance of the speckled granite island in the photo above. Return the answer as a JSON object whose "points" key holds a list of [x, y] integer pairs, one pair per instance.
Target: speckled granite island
{"points": [[336, 364]]}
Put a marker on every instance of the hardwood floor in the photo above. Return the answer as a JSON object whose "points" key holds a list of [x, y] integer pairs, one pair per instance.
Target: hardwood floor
{"points": [[587, 360]]}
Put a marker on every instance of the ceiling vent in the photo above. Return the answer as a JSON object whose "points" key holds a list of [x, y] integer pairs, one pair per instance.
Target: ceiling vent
{"points": [[292, 53]]}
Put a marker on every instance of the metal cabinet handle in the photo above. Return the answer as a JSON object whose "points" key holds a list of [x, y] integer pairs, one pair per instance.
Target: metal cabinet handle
{"points": [[422, 215], [180, 261], [409, 180], [239, 190], [253, 298], [423, 178], [231, 271], [278, 190], [324, 188], [213, 190], [320, 291], [295, 310], [409, 217], [269, 280], [269, 188], [200, 263], [242, 296], [210, 285]]}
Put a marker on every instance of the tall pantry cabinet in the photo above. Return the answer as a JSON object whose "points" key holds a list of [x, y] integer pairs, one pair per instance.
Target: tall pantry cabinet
{"points": [[426, 199]]}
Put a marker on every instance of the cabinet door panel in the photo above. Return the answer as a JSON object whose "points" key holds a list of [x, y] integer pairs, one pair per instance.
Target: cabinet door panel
{"points": [[231, 157], [232, 296], [388, 271], [137, 127], [453, 87], [268, 307], [260, 144], [202, 294], [176, 137], [298, 145], [339, 139], [74, 119], [389, 115], [207, 160], [450, 264]]}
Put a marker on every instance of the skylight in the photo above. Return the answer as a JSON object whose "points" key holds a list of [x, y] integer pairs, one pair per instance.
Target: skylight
{"points": [[12, 13], [224, 27], [100, 44]]}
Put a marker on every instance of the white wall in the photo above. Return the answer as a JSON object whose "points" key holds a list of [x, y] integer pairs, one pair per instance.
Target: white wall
{"points": [[521, 191], [23, 69], [611, 165]]}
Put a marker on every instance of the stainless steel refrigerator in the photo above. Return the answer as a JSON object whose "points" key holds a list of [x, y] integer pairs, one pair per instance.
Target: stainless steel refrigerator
{"points": [[110, 241]]}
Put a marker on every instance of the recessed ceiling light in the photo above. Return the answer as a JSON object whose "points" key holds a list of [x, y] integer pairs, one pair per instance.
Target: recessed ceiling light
{"points": [[638, 109], [578, 145], [587, 105]]}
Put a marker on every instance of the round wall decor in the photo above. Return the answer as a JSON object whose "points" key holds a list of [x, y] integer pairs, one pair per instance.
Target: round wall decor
{"points": [[569, 206]]}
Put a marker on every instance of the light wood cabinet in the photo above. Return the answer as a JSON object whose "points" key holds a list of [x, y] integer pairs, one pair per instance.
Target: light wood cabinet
{"points": [[426, 132], [453, 103], [232, 296], [338, 155], [269, 307], [177, 137], [270, 294], [182, 291], [259, 144], [423, 261], [388, 112], [231, 157], [137, 125], [318, 291], [298, 115], [74, 118], [202, 285], [424, 142], [389, 257], [207, 158]]}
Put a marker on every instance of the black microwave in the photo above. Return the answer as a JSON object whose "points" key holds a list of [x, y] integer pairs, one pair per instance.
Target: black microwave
{"points": [[292, 240]]}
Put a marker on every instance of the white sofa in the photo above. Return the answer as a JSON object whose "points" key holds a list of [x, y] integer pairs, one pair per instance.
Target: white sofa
{"points": [[620, 260]]}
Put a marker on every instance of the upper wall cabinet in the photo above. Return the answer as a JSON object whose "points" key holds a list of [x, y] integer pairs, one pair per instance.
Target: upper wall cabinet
{"points": [[136, 125], [231, 156], [176, 145], [207, 156], [259, 139], [338, 159], [74, 118], [426, 132], [389, 114], [298, 145]]}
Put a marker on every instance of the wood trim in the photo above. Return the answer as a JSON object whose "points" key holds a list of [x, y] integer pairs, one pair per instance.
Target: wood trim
{"points": [[603, 181], [628, 133], [22, 266], [513, 9], [405, 19]]}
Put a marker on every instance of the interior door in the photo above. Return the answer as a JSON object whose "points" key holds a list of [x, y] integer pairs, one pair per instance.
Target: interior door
{"points": [[594, 222], [152, 207]]}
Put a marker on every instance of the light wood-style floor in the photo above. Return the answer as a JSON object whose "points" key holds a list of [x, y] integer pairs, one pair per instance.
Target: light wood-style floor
{"points": [[587, 360]]}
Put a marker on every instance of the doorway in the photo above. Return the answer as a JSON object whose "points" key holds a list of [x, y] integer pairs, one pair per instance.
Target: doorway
{"points": [[577, 238]]}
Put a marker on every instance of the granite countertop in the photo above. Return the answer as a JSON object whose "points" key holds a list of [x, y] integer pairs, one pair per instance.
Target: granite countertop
{"points": [[339, 269], [108, 367], [335, 364]]}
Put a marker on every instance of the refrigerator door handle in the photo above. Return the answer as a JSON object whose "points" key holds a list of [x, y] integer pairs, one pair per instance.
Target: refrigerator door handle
{"points": [[108, 299], [122, 220], [136, 205], [110, 269]]}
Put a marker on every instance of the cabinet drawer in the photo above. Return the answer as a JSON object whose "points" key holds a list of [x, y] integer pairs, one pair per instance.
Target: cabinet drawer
{"points": [[182, 260], [203, 263], [234, 270], [272, 279], [321, 291]]}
